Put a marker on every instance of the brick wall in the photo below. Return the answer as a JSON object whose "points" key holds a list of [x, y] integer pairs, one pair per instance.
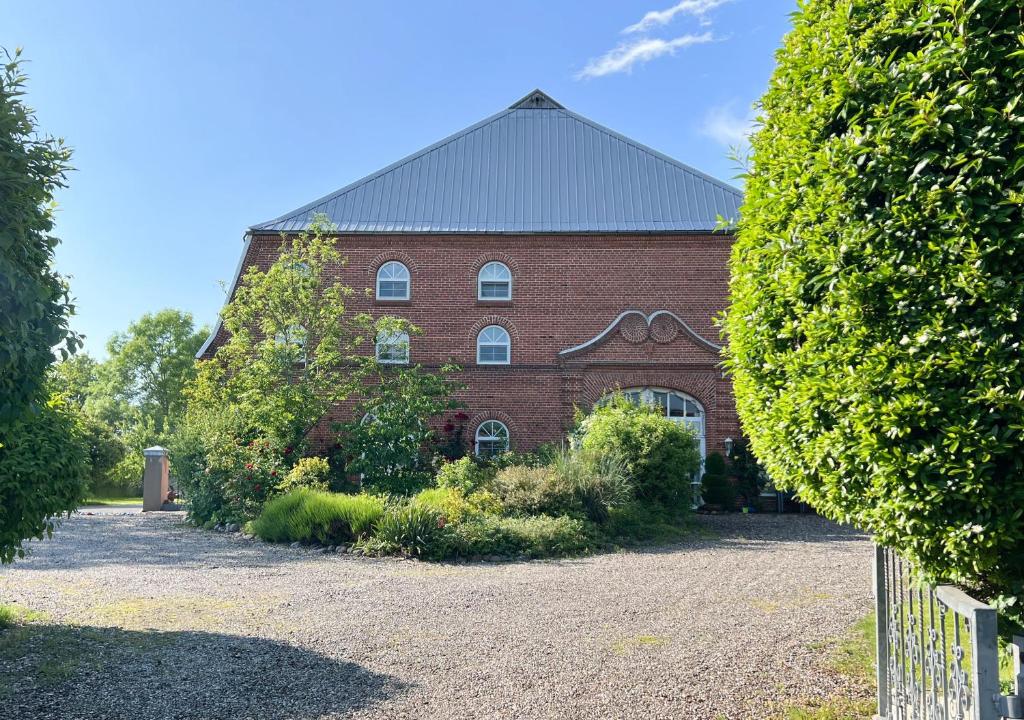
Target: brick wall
{"points": [[566, 290]]}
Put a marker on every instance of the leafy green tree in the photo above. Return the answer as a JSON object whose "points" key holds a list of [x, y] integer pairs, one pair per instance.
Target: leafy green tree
{"points": [[293, 349], [150, 364], [391, 441], [74, 378], [875, 331], [34, 298], [44, 467]]}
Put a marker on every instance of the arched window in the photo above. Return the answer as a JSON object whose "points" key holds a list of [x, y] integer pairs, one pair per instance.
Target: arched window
{"points": [[393, 281], [491, 439], [494, 282], [294, 336], [392, 348], [493, 346]]}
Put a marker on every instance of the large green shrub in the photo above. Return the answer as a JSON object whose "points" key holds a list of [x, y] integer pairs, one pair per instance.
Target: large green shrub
{"points": [[44, 470], [464, 474], [455, 506], [106, 451], [878, 279], [660, 455], [410, 528], [308, 515]]}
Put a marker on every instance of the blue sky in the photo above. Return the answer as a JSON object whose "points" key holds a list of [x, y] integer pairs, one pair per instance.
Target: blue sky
{"points": [[191, 121]]}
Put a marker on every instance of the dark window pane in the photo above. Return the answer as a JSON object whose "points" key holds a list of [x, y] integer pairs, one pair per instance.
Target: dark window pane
{"points": [[494, 289], [392, 289], [493, 353]]}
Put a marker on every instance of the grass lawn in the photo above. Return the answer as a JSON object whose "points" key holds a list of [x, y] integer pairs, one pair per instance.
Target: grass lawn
{"points": [[112, 501]]}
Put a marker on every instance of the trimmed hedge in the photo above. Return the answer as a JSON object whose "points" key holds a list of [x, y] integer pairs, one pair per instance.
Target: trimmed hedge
{"points": [[877, 280]]}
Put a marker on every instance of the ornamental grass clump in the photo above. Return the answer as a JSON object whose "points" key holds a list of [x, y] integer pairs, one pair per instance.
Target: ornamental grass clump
{"points": [[309, 515], [878, 278]]}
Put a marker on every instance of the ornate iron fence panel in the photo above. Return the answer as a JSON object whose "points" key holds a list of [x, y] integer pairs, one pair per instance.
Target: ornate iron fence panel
{"points": [[938, 656]]}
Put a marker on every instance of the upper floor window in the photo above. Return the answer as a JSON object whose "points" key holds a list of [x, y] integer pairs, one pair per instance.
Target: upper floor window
{"points": [[392, 348], [393, 281], [493, 346], [494, 282], [491, 439]]}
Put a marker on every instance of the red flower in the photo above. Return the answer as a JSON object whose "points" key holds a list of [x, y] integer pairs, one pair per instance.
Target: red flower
{"points": [[248, 466], [288, 450], [273, 473], [441, 522], [448, 427], [257, 487]]}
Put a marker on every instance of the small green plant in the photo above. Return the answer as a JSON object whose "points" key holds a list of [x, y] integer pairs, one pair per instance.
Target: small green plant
{"points": [[598, 480], [718, 490], [311, 473], [410, 528], [306, 515], [455, 506], [464, 475]]}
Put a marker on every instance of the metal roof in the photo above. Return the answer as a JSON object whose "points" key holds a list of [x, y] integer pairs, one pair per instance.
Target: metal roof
{"points": [[535, 167]]}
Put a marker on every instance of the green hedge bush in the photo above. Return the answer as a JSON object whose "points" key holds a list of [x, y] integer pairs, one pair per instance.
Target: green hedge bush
{"points": [[877, 280], [312, 473], [310, 515], [660, 455], [537, 536]]}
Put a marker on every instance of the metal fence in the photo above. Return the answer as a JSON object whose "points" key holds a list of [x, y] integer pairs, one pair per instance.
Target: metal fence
{"points": [[938, 654]]}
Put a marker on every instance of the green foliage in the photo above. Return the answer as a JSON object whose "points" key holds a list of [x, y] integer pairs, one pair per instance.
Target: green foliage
{"points": [[538, 536], [598, 480], [308, 515], [311, 473], [714, 463], [639, 521], [150, 364], [750, 476], [874, 335], [292, 351], [409, 528], [661, 456], [390, 441], [717, 490], [534, 490], [34, 298], [73, 378], [106, 451], [455, 506], [464, 475], [44, 469]]}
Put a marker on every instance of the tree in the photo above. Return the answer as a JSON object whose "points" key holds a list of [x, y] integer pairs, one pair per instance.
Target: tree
{"points": [[41, 466], [34, 297], [390, 442], [875, 330], [150, 364], [74, 378], [293, 349], [44, 466]]}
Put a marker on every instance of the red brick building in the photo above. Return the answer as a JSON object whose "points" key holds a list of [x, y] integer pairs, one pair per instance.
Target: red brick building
{"points": [[553, 259]]}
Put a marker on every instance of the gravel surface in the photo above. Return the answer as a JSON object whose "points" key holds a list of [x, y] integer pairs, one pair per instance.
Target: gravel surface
{"points": [[146, 617]]}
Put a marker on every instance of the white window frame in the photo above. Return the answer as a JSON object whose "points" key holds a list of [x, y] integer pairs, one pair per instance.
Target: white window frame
{"points": [[385, 340], [397, 270], [499, 267], [491, 436], [507, 345]]}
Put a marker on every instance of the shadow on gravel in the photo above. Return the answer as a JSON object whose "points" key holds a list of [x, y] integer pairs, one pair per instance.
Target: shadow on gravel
{"points": [[70, 672]]}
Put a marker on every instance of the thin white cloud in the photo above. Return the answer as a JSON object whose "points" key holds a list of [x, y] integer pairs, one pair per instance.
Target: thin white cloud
{"points": [[655, 18], [726, 126], [626, 55]]}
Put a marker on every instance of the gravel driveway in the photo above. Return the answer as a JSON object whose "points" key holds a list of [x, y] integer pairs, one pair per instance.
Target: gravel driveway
{"points": [[146, 617]]}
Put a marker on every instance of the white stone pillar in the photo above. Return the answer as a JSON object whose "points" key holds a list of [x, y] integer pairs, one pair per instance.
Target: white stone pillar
{"points": [[156, 480]]}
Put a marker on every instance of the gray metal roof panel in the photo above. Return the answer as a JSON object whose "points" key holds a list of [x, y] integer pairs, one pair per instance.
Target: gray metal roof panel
{"points": [[536, 168]]}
